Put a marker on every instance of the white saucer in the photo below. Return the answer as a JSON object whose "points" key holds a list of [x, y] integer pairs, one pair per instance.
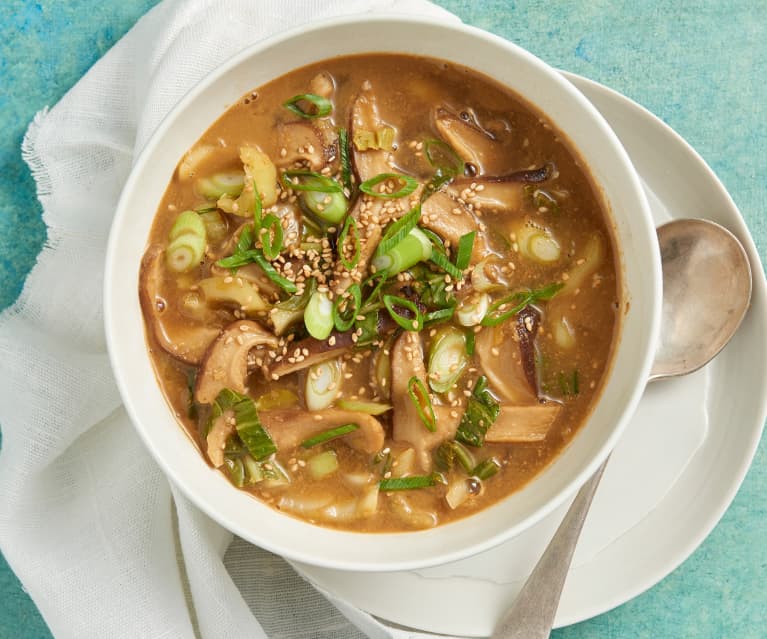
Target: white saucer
{"points": [[674, 473]]}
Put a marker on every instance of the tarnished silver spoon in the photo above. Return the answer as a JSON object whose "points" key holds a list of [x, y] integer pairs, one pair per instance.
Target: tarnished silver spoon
{"points": [[706, 293]]}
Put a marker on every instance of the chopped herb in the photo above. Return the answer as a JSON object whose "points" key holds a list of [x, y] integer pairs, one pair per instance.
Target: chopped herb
{"points": [[326, 436], [321, 106], [300, 180], [486, 468], [520, 299], [396, 232], [470, 339], [448, 453], [350, 226], [409, 323], [482, 410], [346, 308], [465, 246], [346, 163], [409, 483], [271, 236], [569, 384], [408, 185]]}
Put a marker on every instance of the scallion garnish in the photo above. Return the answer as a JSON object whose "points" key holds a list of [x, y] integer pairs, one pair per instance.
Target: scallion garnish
{"points": [[482, 410], [371, 303], [419, 395], [249, 427], [258, 207], [271, 236], [465, 246], [470, 339], [409, 323], [441, 260], [447, 165], [409, 483], [397, 231], [326, 436], [346, 307], [440, 315], [409, 184], [350, 227], [300, 180], [498, 311], [285, 284], [450, 452], [486, 468], [322, 106], [346, 163]]}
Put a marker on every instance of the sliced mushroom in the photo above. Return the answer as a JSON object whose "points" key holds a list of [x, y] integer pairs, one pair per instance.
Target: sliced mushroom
{"points": [[177, 335], [310, 351], [225, 364], [407, 362], [519, 424], [364, 116], [501, 361], [289, 427], [491, 196], [322, 85], [471, 142], [303, 144], [221, 430], [438, 215]]}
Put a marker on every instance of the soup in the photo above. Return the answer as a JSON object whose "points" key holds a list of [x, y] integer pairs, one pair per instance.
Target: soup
{"points": [[380, 293]]}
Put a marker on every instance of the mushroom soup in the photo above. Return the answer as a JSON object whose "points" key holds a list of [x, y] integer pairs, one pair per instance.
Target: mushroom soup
{"points": [[380, 293]]}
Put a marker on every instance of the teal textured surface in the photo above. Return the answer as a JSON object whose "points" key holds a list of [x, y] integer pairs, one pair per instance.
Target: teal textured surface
{"points": [[699, 66]]}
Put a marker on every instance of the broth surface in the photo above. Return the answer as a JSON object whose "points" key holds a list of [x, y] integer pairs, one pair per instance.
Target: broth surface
{"points": [[531, 316]]}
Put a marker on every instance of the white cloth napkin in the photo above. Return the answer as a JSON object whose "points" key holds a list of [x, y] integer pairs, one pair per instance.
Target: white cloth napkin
{"points": [[87, 520]]}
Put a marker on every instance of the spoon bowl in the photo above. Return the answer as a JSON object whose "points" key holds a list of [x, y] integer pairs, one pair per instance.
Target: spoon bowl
{"points": [[706, 294]]}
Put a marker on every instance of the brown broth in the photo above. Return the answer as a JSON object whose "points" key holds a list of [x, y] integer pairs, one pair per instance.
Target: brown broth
{"points": [[408, 89]]}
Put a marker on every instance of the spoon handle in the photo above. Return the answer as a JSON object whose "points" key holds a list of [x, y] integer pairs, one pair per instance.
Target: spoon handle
{"points": [[532, 614]]}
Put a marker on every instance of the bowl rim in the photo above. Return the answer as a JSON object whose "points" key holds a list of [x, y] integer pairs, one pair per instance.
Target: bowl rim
{"points": [[181, 480]]}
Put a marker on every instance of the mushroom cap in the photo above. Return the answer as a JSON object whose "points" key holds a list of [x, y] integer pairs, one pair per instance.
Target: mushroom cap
{"points": [[225, 364]]}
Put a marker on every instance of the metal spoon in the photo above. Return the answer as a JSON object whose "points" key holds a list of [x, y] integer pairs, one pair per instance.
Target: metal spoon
{"points": [[706, 293]]}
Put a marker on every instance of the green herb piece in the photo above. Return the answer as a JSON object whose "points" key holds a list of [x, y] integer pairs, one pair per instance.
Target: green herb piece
{"points": [[408, 185], [397, 231], [422, 402], [300, 180], [366, 329], [318, 315], [448, 453], [346, 163], [258, 208], [321, 106], [249, 428], [414, 323], [521, 299], [441, 260], [482, 410], [570, 385], [326, 436], [285, 284], [408, 483], [447, 358], [413, 248], [440, 315], [446, 163], [350, 226], [470, 340], [346, 307], [465, 246], [236, 470], [372, 301], [486, 468], [271, 237]]}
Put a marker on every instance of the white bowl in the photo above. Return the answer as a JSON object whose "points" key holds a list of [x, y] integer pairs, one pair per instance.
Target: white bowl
{"points": [[569, 111]]}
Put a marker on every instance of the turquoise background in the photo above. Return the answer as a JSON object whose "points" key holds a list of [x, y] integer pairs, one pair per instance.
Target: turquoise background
{"points": [[700, 66]]}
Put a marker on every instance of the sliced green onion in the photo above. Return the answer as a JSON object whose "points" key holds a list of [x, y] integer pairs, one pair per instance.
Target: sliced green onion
{"points": [[271, 236], [310, 181], [323, 383], [420, 398], [442, 157], [447, 358], [470, 340], [520, 299], [216, 228], [323, 464], [414, 323], [465, 246], [346, 163], [486, 468], [413, 248], [188, 222], [285, 284], [322, 106], [185, 252], [473, 309], [408, 483], [326, 436], [359, 406], [349, 226], [372, 302], [366, 329], [216, 186], [440, 259], [327, 207], [318, 316], [482, 409], [397, 231], [440, 315], [450, 452], [351, 300], [258, 208], [409, 184]]}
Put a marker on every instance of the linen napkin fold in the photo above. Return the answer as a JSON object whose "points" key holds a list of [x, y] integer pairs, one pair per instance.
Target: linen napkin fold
{"points": [[100, 540]]}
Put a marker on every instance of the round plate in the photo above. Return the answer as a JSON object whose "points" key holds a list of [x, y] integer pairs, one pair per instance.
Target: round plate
{"points": [[642, 524]]}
